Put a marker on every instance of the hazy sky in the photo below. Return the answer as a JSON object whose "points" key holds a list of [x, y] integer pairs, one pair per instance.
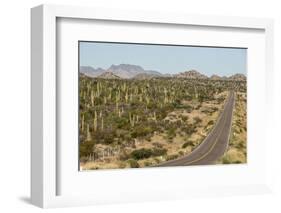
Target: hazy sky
{"points": [[165, 59]]}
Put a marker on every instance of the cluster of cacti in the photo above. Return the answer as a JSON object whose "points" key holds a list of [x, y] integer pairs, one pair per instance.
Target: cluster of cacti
{"points": [[119, 111]]}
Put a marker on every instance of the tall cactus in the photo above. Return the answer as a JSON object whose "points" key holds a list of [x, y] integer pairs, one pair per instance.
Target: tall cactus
{"points": [[195, 92], [88, 137], [102, 124], [140, 97], [82, 122], [92, 98], [110, 94], [98, 89], [126, 96], [132, 119], [96, 122], [154, 116], [165, 96], [147, 99]]}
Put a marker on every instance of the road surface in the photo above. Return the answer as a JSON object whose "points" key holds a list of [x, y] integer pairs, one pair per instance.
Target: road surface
{"points": [[214, 145]]}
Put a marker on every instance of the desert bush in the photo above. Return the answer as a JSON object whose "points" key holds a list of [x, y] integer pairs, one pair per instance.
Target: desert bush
{"points": [[124, 156], [225, 160], [156, 160], [171, 133], [186, 144], [197, 120], [211, 122], [133, 163], [181, 153], [184, 118], [108, 139], [141, 131], [158, 152], [171, 157], [188, 129], [86, 148], [147, 163], [141, 153]]}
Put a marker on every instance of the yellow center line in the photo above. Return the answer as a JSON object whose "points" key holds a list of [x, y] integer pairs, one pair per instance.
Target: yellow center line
{"points": [[211, 149]]}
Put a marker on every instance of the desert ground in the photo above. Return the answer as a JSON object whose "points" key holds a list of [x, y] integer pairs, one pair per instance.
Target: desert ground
{"points": [[143, 122]]}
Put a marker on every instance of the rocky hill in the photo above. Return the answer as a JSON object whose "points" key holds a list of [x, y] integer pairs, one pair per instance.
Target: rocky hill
{"points": [[122, 70], [108, 75], [237, 77], [215, 77], [129, 71], [90, 71], [191, 74]]}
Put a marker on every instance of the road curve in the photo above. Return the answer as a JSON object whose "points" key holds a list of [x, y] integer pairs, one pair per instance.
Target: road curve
{"points": [[214, 145]]}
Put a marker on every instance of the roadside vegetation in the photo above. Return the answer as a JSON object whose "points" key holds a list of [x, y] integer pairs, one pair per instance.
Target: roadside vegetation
{"points": [[237, 149]]}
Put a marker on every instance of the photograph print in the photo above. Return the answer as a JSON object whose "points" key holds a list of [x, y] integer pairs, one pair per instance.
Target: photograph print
{"points": [[159, 105]]}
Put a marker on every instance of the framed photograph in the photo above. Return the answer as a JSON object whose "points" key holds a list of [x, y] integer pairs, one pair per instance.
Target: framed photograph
{"points": [[131, 106]]}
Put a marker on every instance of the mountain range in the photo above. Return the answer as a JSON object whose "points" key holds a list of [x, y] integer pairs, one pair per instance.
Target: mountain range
{"points": [[122, 70], [129, 71]]}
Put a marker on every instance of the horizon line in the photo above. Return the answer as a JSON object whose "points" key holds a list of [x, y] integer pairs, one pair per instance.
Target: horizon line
{"points": [[187, 70]]}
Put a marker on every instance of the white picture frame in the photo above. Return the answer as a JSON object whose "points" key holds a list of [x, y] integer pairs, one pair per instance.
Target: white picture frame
{"points": [[45, 154]]}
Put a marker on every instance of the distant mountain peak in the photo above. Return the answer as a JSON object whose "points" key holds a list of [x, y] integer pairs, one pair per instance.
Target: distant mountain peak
{"points": [[238, 77], [215, 77], [126, 67], [191, 74], [129, 70], [90, 71]]}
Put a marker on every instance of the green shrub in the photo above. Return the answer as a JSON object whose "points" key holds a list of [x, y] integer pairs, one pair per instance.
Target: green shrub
{"points": [[184, 118], [172, 157], [197, 120], [181, 153], [210, 122], [133, 163], [157, 160], [225, 160], [147, 163], [141, 153], [86, 148], [186, 144], [141, 131]]}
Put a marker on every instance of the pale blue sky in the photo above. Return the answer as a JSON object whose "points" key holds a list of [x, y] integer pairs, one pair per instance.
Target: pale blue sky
{"points": [[165, 59]]}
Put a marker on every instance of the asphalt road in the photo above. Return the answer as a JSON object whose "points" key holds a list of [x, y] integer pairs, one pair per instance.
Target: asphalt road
{"points": [[214, 145]]}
